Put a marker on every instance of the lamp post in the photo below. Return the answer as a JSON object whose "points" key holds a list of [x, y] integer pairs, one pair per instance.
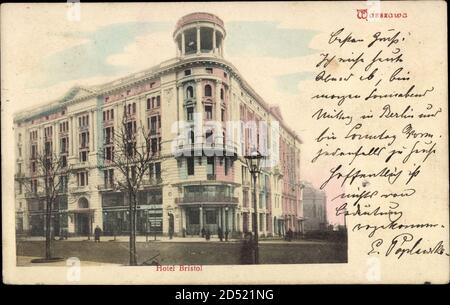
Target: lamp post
{"points": [[226, 224], [253, 161]]}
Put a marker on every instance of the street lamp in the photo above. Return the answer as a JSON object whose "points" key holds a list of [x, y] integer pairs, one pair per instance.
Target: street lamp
{"points": [[253, 161], [226, 223]]}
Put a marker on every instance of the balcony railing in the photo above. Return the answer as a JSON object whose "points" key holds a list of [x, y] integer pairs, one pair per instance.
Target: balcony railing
{"points": [[217, 148], [34, 194], [202, 198], [19, 176], [106, 187], [79, 189], [153, 181]]}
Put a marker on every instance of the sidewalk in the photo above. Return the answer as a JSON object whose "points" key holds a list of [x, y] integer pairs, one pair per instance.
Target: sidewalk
{"points": [[175, 239]]}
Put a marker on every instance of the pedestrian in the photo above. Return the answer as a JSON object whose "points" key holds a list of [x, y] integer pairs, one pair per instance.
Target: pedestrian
{"points": [[97, 233], [170, 232], [207, 234], [289, 234], [226, 234], [203, 232], [247, 253], [220, 233]]}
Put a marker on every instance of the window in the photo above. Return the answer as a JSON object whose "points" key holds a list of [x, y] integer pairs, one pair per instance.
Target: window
{"points": [[82, 179], [221, 94], [210, 168], [158, 170], [63, 161], [190, 166], [154, 145], [149, 103], [187, 72], [209, 137], [189, 92], [63, 183], [109, 153], [48, 132], [33, 151], [158, 101], [153, 122], [64, 145], [19, 168], [83, 156], [245, 198], [208, 112], [34, 186], [108, 115], [48, 148], [108, 177], [227, 166], [84, 139], [222, 115], [151, 171], [83, 121], [33, 166], [131, 147], [209, 70], [20, 137], [225, 74], [190, 113], [208, 90], [20, 152], [109, 135], [210, 217]]}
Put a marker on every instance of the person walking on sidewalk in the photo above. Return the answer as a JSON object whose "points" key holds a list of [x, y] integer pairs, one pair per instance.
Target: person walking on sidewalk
{"points": [[220, 234], [97, 233]]}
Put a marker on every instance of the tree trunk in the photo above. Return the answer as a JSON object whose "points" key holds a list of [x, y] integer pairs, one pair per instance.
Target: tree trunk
{"points": [[48, 226], [133, 261]]}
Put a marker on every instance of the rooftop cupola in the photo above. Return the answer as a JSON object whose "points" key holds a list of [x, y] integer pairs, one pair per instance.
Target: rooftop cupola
{"points": [[199, 33]]}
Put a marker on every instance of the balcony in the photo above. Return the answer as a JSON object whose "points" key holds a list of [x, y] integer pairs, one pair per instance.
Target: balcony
{"points": [[205, 198], [19, 176], [205, 148], [34, 194], [151, 182], [80, 165], [79, 189], [106, 187], [108, 123]]}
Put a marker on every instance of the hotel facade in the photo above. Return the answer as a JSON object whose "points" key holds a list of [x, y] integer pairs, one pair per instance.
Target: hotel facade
{"points": [[198, 177]]}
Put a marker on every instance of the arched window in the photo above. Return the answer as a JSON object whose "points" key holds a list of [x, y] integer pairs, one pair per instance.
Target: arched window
{"points": [[189, 92], [83, 203], [208, 91]]}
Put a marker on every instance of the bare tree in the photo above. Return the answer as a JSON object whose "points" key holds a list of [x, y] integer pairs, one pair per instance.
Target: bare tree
{"points": [[132, 155], [53, 171]]}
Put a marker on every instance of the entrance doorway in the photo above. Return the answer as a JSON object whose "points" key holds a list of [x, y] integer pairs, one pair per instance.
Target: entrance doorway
{"points": [[82, 223]]}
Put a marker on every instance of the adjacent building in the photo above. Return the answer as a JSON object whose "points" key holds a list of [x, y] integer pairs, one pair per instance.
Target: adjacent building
{"points": [[203, 117], [314, 208]]}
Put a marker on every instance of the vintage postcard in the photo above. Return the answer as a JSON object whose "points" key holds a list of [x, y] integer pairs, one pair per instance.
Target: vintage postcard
{"points": [[225, 143]]}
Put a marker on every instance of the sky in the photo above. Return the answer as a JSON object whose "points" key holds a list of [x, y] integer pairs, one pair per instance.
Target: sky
{"points": [[49, 50]]}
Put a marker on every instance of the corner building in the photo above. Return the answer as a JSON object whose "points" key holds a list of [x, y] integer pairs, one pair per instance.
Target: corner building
{"points": [[199, 178]]}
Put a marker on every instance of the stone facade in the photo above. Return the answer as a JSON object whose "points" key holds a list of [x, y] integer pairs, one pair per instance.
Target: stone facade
{"points": [[203, 118]]}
